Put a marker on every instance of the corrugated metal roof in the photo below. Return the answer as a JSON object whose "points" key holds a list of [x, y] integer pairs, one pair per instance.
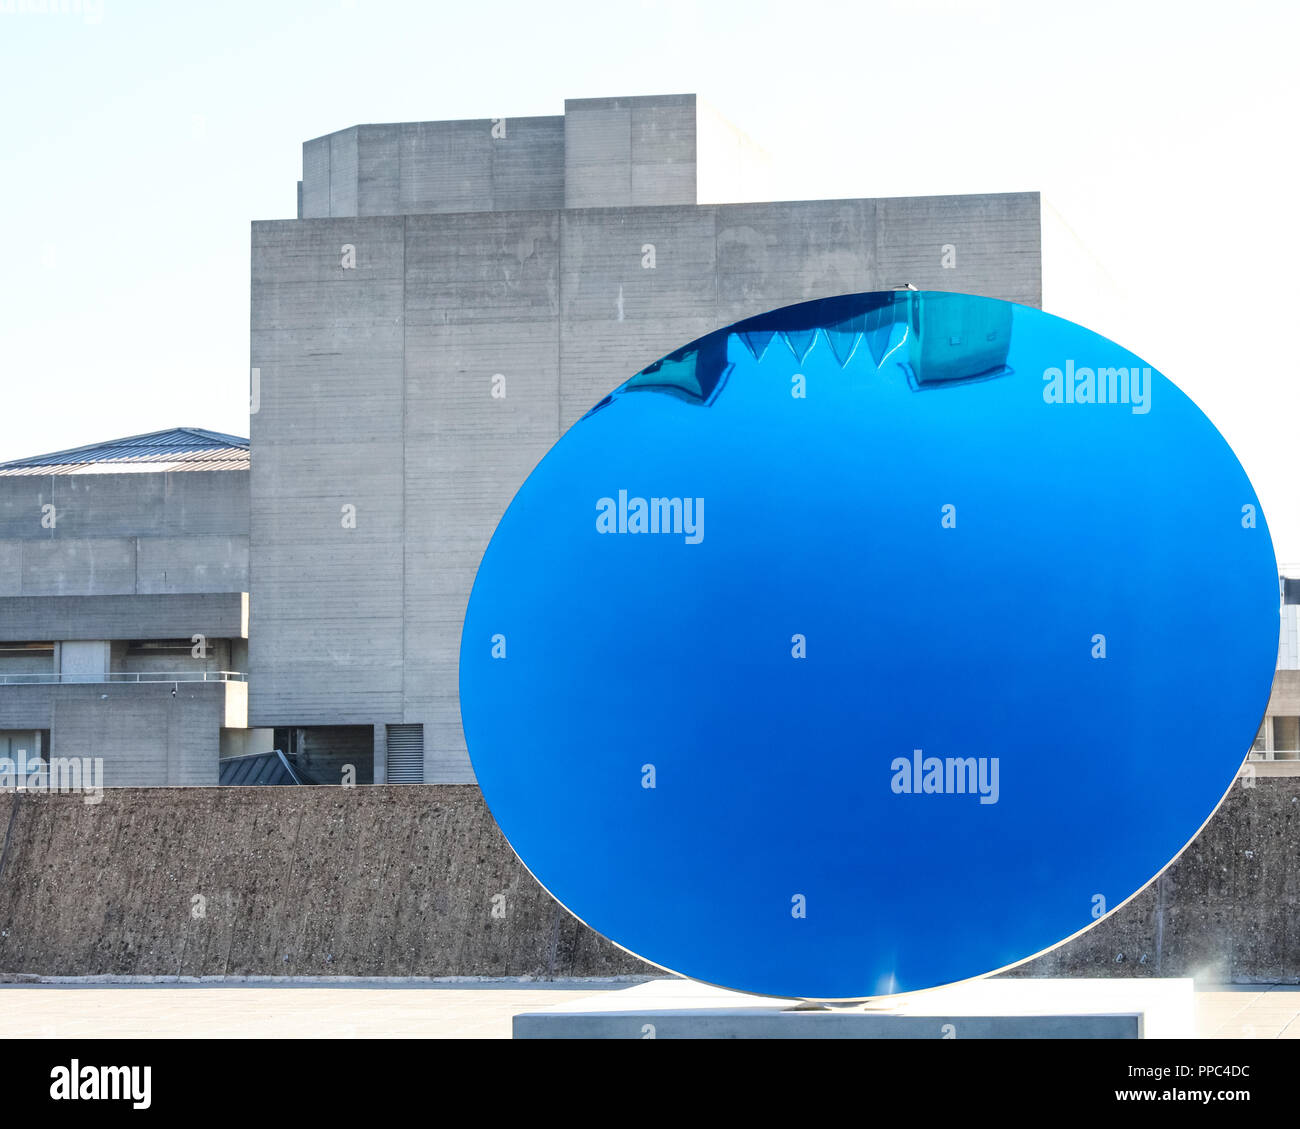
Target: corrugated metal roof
{"points": [[176, 449], [255, 769]]}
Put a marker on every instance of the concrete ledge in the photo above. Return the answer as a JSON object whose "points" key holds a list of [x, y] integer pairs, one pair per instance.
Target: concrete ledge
{"points": [[981, 1009], [369, 983], [164, 615]]}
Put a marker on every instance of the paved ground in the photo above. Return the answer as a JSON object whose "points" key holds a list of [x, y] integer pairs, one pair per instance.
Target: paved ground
{"points": [[476, 1011], [1245, 1011]]}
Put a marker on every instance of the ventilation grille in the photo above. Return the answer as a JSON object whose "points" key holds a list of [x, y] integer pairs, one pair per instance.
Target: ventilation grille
{"points": [[405, 754]]}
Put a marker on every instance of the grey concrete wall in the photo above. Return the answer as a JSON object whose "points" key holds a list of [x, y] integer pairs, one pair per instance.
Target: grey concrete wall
{"points": [[176, 504], [1285, 698], [377, 393], [1227, 911], [52, 618], [171, 660], [314, 188], [376, 881], [490, 308], [629, 152], [129, 556], [401, 881], [27, 707], [126, 556], [123, 534], [123, 566], [429, 167], [85, 660], [144, 734], [327, 606], [602, 152]]}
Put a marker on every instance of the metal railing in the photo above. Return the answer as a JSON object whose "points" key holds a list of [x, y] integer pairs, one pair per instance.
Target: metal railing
{"points": [[46, 678]]}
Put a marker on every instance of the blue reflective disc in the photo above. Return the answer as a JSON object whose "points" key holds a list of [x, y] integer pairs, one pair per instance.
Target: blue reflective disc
{"points": [[870, 644]]}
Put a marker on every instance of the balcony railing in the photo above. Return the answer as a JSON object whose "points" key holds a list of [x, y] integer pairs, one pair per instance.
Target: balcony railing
{"points": [[53, 678]]}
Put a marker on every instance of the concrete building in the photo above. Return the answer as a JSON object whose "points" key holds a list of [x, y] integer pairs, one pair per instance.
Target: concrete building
{"points": [[1276, 751], [451, 298], [124, 606]]}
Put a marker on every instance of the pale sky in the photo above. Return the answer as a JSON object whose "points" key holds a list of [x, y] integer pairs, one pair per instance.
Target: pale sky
{"points": [[138, 140]]}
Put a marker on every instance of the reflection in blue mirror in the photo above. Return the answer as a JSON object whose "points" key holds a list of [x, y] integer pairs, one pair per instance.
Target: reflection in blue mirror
{"points": [[869, 644]]}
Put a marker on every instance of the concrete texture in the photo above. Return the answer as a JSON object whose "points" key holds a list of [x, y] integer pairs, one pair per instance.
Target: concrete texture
{"points": [[164, 616], [125, 566], [426, 167], [144, 734], [404, 881], [384, 454], [625, 152], [123, 556], [376, 881], [1227, 911], [180, 504]]}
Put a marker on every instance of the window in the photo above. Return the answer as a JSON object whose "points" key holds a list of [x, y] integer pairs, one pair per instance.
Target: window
{"points": [[1286, 733]]}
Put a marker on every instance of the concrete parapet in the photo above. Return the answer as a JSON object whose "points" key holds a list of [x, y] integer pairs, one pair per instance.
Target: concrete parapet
{"points": [[418, 881]]}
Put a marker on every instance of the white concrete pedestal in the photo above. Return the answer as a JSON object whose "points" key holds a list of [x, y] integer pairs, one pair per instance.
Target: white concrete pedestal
{"points": [[979, 1009]]}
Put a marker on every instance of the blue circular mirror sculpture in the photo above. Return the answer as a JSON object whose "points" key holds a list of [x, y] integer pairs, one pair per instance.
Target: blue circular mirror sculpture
{"points": [[870, 644]]}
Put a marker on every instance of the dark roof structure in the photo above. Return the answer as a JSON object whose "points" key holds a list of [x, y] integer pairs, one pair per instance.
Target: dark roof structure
{"points": [[176, 449], [256, 769]]}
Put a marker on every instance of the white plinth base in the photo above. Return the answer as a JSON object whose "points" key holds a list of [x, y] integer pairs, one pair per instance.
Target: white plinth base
{"points": [[979, 1009]]}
